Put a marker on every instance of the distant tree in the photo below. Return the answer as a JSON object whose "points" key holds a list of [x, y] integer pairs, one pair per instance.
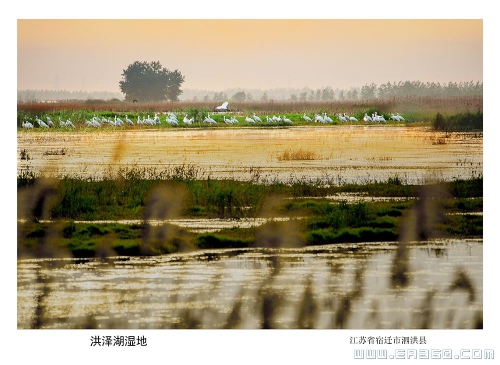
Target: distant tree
{"points": [[239, 96], [452, 89], [293, 97], [368, 91], [149, 81], [303, 96], [264, 97], [352, 94], [327, 94], [205, 98], [219, 96], [318, 95], [341, 95], [386, 90]]}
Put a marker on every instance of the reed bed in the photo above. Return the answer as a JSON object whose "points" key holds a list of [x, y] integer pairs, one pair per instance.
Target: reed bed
{"points": [[415, 109]]}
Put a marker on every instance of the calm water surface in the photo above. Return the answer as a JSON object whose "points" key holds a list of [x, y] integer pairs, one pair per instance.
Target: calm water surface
{"points": [[341, 153], [331, 286]]}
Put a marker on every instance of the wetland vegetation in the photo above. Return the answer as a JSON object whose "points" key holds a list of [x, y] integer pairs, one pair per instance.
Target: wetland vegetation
{"points": [[416, 111], [111, 237], [146, 195]]}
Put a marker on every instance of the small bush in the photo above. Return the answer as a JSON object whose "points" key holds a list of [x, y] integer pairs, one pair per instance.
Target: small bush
{"points": [[440, 123], [459, 122]]}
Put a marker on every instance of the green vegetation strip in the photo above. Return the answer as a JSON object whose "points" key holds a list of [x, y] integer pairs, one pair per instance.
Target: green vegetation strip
{"points": [[313, 219], [449, 114]]}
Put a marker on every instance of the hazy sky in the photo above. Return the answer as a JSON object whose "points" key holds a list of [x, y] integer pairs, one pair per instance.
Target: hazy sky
{"points": [[218, 54]]}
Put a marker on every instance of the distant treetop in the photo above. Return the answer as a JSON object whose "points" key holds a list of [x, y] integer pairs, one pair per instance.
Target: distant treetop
{"points": [[149, 81]]}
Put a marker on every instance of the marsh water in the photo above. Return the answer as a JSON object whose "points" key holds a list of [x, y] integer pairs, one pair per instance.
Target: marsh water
{"points": [[331, 286], [339, 154]]}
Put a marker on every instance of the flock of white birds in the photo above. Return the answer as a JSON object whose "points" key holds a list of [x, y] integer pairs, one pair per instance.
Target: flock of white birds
{"points": [[171, 118]]}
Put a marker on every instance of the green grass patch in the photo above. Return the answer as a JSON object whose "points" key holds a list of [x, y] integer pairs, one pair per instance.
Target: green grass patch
{"points": [[321, 220], [210, 240], [349, 235], [466, 121]]}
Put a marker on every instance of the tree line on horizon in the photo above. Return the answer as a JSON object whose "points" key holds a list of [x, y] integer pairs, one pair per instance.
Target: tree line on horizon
{"points": [[151, 82], [368, 91]]}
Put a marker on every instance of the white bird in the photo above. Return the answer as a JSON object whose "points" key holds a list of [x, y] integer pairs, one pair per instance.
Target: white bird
{"points": [[275, 118], [127, 120], [156, 119], [41, 123], [223, 106], [249, 120], [95, 122], [147, 120], [118, 121], [367, 118], [269, 120], [286, 120], [27, 125], [342, 118], [306, 118], [378, 118], [393, 117], [49, 121], [257, 119], [227, 121], [61, 123], [318, 118], [172, 120], [172, 116], [187, 120], [278, 119], [399, 116], [234, 119], [211, 120], [69, 123], [327, 118], [353, 119]]}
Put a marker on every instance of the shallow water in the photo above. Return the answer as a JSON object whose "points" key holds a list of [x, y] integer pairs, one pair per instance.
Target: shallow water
{"points": [[342, 153], [252, 288]]}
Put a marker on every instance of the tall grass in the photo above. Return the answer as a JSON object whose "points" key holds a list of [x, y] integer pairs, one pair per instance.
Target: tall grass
{"points": [[298, 154], [122, 194]]}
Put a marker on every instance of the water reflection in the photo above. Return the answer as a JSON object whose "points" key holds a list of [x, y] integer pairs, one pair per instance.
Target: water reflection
{"points": [[345, 154], [333, 286]]}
